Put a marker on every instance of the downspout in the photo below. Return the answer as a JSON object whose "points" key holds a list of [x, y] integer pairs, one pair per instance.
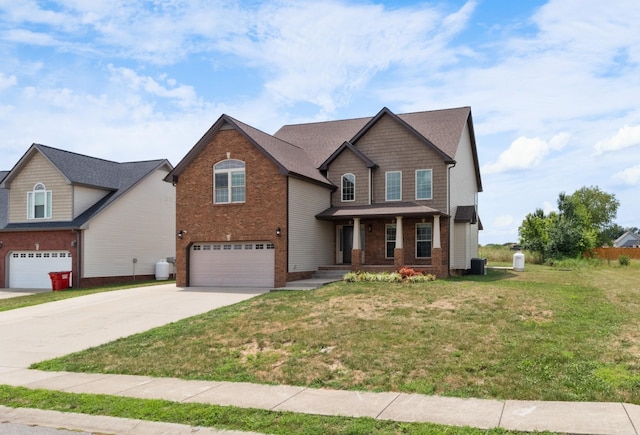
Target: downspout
{"points": [[450, 254], [370, 187]]}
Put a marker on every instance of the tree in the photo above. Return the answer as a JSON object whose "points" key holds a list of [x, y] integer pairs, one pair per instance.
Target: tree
{"points": [[583, 221]]}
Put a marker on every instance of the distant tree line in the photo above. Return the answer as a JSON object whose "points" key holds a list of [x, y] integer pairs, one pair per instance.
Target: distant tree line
{"points": [[584, 221]]}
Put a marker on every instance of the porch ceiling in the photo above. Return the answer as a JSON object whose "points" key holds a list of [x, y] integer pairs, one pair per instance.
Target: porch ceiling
{"points": [[386, 210]]}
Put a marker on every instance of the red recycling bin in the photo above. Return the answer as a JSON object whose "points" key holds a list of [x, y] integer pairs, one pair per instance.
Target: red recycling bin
{"points": [[59, 280]]}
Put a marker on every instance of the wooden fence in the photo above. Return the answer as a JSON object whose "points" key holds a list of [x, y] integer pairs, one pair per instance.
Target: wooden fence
{"points": [[614, 253]]}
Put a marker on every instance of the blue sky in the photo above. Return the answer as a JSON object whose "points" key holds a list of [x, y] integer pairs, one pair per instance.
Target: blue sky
{"points": [[553, 86]]}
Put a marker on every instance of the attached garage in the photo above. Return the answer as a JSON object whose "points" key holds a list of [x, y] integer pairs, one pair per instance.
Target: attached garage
{"points": [[30, 269], [246, 264]]}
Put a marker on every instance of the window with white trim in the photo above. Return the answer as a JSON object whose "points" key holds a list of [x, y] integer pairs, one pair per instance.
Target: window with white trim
{"points": [[229, 182], [390, 245], [424, 183], [393, 186], [348, 187], [39, 202], [423, 240]]}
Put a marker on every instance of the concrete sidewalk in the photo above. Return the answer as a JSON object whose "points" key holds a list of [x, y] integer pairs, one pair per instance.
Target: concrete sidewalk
{"points": [[567, 417]]}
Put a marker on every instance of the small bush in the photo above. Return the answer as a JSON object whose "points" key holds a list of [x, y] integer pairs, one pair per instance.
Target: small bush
{"points": [[403, 275], [624, 260]]}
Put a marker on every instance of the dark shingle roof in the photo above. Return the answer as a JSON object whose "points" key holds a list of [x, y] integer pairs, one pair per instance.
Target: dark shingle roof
{"points": [[302, 149], [443, 128], [83, 170], [291, 159]]}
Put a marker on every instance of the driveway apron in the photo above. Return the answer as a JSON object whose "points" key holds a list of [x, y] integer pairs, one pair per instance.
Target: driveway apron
{"points": [[37, 333]]}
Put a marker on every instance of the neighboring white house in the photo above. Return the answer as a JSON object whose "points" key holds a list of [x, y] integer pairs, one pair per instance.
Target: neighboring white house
{"points": [[104, 221]]}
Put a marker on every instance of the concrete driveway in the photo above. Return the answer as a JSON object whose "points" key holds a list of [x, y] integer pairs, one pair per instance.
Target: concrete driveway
{"points": [[37, 333]]}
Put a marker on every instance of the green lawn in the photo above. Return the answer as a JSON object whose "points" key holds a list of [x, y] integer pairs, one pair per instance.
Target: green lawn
{"points": [[549, 333]]}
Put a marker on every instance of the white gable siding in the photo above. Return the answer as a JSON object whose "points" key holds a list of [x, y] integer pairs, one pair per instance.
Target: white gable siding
{"points": [[464, 188], [140, 224], [310, 240], [85, 197]]}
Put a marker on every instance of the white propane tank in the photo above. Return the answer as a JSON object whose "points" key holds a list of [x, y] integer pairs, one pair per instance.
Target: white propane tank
{"points": [[162, 270], [518, 261]]}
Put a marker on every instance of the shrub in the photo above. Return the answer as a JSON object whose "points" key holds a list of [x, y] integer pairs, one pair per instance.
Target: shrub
{"points": [[404, 275], [407, 272], [624, 260]]}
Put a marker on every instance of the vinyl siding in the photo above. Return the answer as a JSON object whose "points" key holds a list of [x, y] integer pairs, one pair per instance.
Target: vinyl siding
{"points": [[460, 249], [310, 240], [140, 224], [39, 170], [85, 197], [393, 148], [464, 237]]}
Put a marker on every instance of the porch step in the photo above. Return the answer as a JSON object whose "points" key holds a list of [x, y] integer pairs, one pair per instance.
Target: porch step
{"points": [[330, 273]]}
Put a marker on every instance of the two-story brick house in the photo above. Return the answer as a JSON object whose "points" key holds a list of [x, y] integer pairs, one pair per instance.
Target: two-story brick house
{"points": [[254, 209], [104, 221]]}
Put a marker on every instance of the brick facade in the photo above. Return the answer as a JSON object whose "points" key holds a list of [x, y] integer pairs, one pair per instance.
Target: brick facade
{"points": [[38, 241], [264, 209]]}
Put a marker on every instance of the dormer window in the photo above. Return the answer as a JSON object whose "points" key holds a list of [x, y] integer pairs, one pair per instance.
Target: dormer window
{"points": [[39, 202], [229, 182], [348, 187]]}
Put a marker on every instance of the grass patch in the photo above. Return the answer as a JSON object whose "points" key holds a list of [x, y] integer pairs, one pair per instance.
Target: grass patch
{"points": [[220, 417], [544, 334], [43, 298]]}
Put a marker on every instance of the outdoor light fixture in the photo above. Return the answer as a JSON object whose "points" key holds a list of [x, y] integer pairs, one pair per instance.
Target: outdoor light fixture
{"points": [[278, 232], [181, 234], [1, 244], [370, 228], [73, 243]]}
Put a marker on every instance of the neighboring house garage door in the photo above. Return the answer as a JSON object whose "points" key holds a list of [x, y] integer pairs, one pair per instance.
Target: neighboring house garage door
{"points": [[30, 269], [247, 264]]}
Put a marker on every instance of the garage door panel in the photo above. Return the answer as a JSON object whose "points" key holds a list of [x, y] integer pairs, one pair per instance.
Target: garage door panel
{"points": [[247, 264], [30, 269]]}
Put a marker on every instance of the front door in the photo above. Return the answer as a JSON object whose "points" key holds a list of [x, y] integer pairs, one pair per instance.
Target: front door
{"points": [[347, 243]]}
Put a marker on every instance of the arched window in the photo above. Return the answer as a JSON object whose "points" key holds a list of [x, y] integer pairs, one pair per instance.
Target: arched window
{"points": [[348, 187], [228, 182], [39, 202]]}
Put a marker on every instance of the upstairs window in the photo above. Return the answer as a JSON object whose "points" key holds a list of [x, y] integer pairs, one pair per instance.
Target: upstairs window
{"points": [[348, 187], [424, 184], [393, 186], [229, 182], [39, 202]]}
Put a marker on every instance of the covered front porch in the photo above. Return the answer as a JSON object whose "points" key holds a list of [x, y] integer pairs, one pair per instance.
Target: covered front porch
{"points": [[390, 236]]}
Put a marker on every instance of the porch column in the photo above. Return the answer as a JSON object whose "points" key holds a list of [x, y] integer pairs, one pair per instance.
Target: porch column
{"points": [[436, 250], [398, 252], [436, 232], [356, 250]]}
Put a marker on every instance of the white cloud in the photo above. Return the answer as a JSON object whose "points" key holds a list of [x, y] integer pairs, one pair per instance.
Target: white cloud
{"points": [[7, 82], [626, 137], [503, 221], [185, 95], [525, 153], [630, 176]]}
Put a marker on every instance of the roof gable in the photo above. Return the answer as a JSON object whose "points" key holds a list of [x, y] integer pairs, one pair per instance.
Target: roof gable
{"points": [[386, 112], [348, 146], [290, 159]]}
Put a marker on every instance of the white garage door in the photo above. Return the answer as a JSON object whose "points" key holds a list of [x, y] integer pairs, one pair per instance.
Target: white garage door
{"points": [[247, 264], [30, 269]]}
